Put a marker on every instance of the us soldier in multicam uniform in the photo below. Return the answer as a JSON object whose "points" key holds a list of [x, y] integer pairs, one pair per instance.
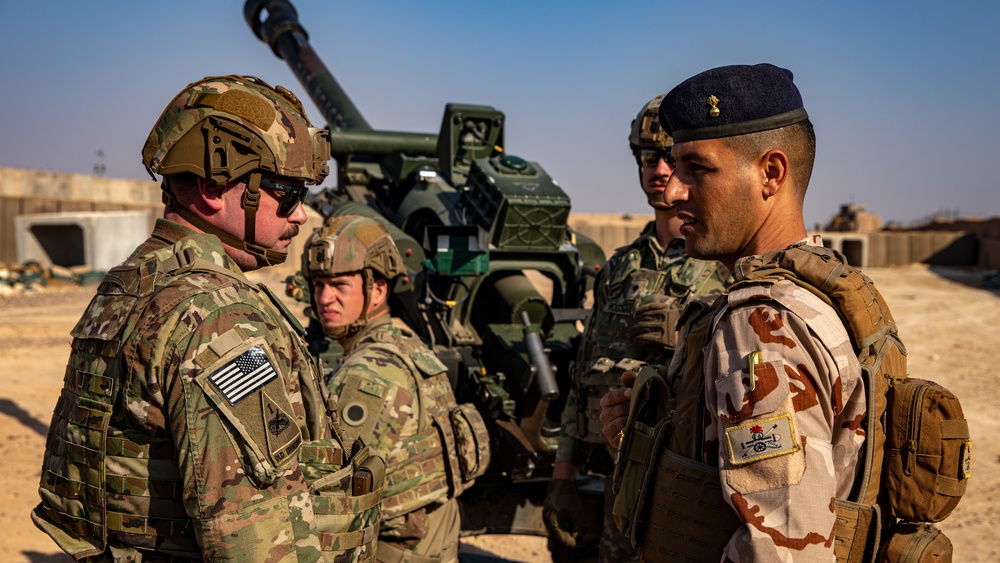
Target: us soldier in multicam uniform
{"points": [[772, 412], [638, 297], [193, 422], [394, 392]]}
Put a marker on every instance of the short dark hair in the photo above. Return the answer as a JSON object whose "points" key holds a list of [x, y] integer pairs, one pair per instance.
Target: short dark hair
{"points": [[798, 141]]}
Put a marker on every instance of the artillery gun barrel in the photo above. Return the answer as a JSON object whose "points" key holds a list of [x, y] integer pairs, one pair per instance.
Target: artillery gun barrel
{"points": [[545, 380], [281, 30]]}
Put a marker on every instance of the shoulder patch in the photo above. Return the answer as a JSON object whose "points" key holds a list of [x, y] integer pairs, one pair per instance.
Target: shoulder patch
{"points": [[761, 439], [354, 414], [250, 371]]}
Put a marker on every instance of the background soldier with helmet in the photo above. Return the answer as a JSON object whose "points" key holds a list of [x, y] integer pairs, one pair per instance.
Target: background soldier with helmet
{"points": [[394, 393], [193, 423], [638, 297]]}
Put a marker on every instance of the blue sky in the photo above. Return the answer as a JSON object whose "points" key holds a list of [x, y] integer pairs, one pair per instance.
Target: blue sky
{"points": [[903, 95]]}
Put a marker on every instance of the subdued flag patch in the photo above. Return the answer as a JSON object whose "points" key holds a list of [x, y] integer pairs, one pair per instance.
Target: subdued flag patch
{"points": [[761, 439], [250, 371]]}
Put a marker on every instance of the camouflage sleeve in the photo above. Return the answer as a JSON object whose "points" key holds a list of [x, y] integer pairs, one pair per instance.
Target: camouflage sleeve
{"points": [[788, 403], [571, 446], [235, 449], [378, 400]]}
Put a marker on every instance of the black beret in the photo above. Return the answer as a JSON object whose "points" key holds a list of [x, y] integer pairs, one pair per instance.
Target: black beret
{"points": [[731, 100]]}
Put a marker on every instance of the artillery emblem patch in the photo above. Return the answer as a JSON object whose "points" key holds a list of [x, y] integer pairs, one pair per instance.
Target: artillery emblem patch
{"points": [[278, 423], [761, 439]]}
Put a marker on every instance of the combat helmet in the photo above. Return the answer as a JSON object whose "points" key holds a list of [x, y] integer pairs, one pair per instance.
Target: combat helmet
{"points": [[233, 128], [347, 244], [646, 134]]}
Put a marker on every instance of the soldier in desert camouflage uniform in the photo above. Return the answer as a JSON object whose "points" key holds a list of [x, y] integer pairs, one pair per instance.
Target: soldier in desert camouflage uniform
{"points": [[394, 392], [638, 297], [193, 422], [771, 409]]}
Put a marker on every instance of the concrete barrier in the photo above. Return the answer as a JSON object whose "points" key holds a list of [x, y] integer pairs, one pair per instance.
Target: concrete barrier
{"points": [[99, 240]]}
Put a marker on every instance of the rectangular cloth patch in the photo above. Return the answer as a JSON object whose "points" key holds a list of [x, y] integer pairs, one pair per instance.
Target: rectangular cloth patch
{"points": [[761, 439], [250, 371]]}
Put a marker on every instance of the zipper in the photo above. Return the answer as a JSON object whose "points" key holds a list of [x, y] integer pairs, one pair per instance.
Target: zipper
{"points": [[913, 437], [918, 542]]}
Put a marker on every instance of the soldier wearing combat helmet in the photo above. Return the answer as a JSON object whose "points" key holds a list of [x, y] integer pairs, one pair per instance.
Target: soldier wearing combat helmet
{"points": [[394, 393], [638, 297], [193, 424]]}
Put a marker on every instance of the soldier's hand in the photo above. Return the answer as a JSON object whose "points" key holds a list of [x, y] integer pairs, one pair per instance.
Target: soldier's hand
{"points": [[654, 322], [562, 512], [614, 409]]}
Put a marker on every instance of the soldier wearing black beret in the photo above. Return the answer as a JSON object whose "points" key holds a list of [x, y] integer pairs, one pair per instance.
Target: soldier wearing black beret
{"points": [[767, 395]]}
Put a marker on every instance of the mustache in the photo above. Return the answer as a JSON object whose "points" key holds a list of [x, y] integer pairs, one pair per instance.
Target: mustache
{"points": [[291, 232]]}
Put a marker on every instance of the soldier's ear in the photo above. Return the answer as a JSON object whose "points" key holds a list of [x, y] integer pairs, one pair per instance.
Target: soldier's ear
{"points": [[380, 294], [773, 171], [209, 194]]}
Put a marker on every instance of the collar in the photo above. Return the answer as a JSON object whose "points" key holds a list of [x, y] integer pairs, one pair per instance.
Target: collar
{"points": [[352, 342]]}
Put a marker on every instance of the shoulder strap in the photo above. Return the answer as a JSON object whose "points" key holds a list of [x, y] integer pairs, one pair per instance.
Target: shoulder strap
{"points": [[873, 332]]}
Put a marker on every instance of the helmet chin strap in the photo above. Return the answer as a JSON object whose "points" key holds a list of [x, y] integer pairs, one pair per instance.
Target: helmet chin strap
{"points": [[250, 204]]}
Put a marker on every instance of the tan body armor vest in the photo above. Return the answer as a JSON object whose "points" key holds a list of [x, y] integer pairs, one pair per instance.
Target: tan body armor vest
{"points": [[687, 517]]}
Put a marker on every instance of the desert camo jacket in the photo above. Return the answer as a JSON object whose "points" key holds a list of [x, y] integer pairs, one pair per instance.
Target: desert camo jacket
{"points": [[381, 401], [788, 428], [636, 271], [213, 395]]}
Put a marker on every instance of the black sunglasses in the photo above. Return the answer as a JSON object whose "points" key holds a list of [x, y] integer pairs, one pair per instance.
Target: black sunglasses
{"points": [[291, 198], [652, 157]]}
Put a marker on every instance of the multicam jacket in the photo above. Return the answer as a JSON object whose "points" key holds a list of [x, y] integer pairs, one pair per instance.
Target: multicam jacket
{"points": [[187, 398], [633, 273], [784, 401], [395, 395]]}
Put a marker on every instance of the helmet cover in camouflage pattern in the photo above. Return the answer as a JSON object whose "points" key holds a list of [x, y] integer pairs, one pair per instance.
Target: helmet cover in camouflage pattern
{"points": [[646, 132], [224, 127], [351, 243]]}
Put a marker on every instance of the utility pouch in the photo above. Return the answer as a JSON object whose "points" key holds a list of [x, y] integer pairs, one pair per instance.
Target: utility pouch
{"points": [[930, 453], [472, 440], [597, 378], [912, 542], [346, 498], [647, 426]]}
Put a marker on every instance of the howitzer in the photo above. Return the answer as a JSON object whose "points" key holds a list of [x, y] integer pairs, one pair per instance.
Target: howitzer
{"points": [[469, 220]]}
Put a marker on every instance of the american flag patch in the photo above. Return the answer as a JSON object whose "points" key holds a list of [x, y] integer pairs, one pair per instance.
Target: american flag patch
{"points": [[244, 375]]}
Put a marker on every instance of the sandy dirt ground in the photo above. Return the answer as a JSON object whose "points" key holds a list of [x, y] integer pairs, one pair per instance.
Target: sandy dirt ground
{"points": [[951, 329]]}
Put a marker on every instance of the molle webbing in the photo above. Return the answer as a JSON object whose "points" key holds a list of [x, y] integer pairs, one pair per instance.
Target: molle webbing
{"points": [[334, 506], [145, 506], [97, 483], [422, 456], [597, 378], [431, 451], [688, 518]]}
